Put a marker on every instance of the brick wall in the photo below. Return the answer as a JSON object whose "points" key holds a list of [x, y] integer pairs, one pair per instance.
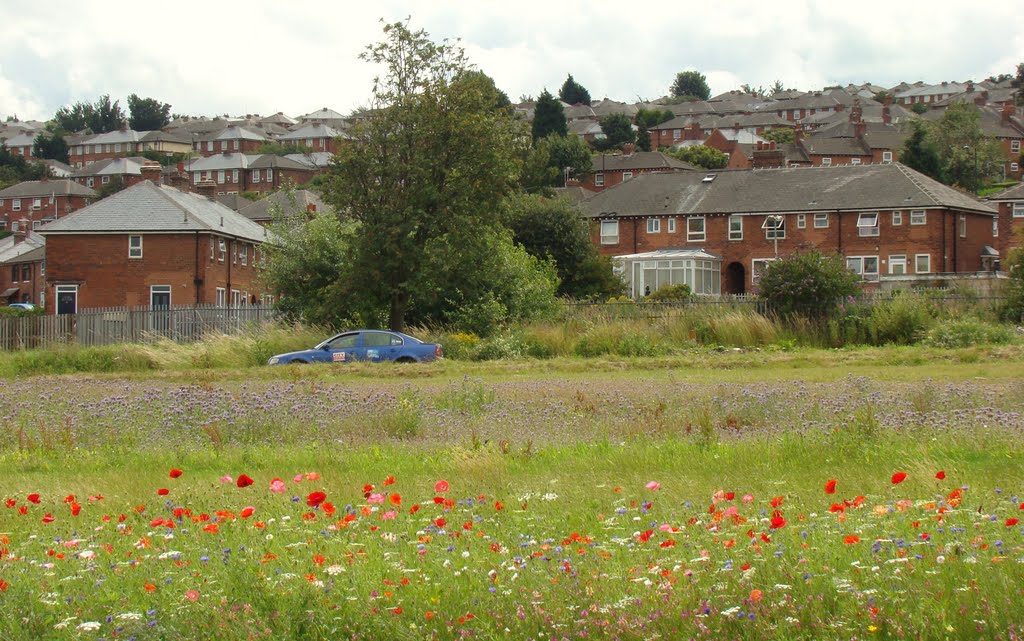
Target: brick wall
{"points": [[62, 206], [107, 277], [27, 277]]}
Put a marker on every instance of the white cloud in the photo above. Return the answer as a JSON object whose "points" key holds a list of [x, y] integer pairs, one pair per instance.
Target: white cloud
{"points": [[262, 57]]}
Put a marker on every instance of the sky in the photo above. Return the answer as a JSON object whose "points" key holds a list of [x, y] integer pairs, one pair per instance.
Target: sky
{"points": [[215, 58]]}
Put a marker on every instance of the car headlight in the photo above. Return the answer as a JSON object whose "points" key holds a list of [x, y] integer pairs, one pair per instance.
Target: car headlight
{"points": [[273, 360]]}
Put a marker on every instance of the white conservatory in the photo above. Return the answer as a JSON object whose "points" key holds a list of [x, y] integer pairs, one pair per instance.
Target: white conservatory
{"points": [[647, 272]]}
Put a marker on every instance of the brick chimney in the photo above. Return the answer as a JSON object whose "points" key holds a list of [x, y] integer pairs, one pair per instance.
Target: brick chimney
{"points": [[628, 149], [1007, 111], [151, 171], [970, 86], [887, 111], [856, 112], [859, 129], [798, 134], [693, 132], [22, 232]]}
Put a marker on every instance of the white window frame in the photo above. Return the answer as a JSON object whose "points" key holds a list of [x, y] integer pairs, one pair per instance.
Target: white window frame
{"points": [[135, 246], [887, 156], [735, 232], [918, 216], [37, 203], [897, 218], [694, 235], [1018, 210], [16, 204], [854, 161], [858, 264], [826, 162], [270, 175], [801, 221], [159, 289], [867, 224], [243, 252], [672, 224], [995, 227], [105, 180], [213, 249], [821, 221], [626, 175], [234, 176], [236, 298], [755, 273], [222, 246], [221, 297], [60, 289], [221, 175], [774, 227], [653, 225], [899, 260], [677, 134], [606, 237], [963, 225], [1015, 146], [1014, 166], [927, 261], [599, 180], [255, 175]]}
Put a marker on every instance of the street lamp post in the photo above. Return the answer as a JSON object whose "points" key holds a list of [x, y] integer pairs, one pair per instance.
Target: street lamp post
{"points": [[977, 182]]}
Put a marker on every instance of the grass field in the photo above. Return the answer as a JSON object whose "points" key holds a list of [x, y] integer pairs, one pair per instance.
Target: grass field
{"points": [[869, 494]]}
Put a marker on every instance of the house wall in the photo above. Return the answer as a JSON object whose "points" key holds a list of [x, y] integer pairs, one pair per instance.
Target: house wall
{"points": [[62, 206], [30, 278], [209, 148], [938, 238], [107, 277]]}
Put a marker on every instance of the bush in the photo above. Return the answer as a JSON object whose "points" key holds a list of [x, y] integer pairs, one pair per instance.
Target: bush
{"points": [[669, 293], [967, 332], [903, 320], [459, 346], [807, 283], [502, 347]]}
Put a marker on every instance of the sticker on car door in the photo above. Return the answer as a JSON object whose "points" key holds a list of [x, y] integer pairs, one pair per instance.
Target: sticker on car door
{"points": [[338, 356]]}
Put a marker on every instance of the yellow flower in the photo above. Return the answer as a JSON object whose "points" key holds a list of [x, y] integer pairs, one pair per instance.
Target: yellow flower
{"points": [[872, 628]]}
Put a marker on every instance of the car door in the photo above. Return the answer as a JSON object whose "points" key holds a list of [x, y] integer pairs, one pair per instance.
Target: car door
{"points": [[380, 346], [340, 349]]}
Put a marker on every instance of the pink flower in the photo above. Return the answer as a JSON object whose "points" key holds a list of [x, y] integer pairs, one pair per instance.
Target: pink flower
{"points": [[226, 479], [390, 514], [748, 498], [312, 476], [376, 497], [653, 485], [277, 485], [297, 478], [192, 595]]}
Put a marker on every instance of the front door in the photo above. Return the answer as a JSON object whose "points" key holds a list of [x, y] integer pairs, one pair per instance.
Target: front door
{"points": [[160, 308], [67, 299]]}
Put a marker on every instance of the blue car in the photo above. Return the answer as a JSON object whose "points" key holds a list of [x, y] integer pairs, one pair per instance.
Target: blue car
{"points": [[22, 305], [364, 345]]}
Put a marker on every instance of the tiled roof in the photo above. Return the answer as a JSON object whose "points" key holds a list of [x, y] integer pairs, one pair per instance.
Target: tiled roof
{"points": [[220, 161], [12, 251], [115, 137], [1013, 193], [37, 188], [316, 159], [322, 114], [288, 203], [165, 136], [114, 167], [933, 90], [312, 130], [803, 189], [232, 132], [835, 147], [20, 140], [279, 162], [638, 160], [147, 207]]}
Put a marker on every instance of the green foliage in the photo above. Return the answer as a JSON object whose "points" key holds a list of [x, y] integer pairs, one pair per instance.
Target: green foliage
{"points": [[776, 88], [1012, 309], [147, 114], [691, 83], [548, 117], [968, 157], [919, 108], [882, 96], [165, 159], [100, 117], [618, 130], [281, 149], [699, 156], [14, 168], [919, 152], [573, 93], [967, 332], [569, 151], [653, 117], [782, 135], [807, 283], [50, 145], [670, 293], [902, 321], [554, 228], [115, 185], [431, 164]]}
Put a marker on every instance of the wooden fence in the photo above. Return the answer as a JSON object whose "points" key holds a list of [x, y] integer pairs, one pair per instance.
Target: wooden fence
{"points": [[128, 325]]}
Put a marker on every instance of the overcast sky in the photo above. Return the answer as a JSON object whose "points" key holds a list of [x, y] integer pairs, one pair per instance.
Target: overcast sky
{"points": [[209, 58]]}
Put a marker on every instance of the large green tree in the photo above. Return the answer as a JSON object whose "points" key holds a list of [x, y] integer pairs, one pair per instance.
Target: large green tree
{"points": [[645, 119], [99, 117], [919, 152], [573, 93], [433, 161], [618, 130], [15, 169], [967, 157], [700, 156], [548, 117], [147, 114], [569, 152], [50, 145], [690, 84], [554, 228], [807, 283]]}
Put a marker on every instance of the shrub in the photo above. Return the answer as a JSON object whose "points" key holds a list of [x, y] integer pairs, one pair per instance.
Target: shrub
{"points": [[967, 332], [670, 293], [502, 347], [903, 320], [459, 346], [807, 283]]}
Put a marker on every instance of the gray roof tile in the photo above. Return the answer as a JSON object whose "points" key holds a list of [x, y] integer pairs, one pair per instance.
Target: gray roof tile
{"points": [[36, 188]]}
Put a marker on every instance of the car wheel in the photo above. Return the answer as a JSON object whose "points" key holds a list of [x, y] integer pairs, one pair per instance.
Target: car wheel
{"points": [[406, 359], [299, 361]]}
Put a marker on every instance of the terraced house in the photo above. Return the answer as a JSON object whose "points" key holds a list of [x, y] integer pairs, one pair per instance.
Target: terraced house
{"points": [[718, 231]]}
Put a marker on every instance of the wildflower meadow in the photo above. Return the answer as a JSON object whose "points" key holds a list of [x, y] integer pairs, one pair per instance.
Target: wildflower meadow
{"points": [[608, 505]]}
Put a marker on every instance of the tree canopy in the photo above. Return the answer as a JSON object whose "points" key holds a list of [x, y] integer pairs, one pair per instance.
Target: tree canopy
{"points": [[780, 135], [99, 117], [954, 149], [700, 156], [919, 152], [426, 170], [645, 119], [690, 83], [50, 145], [548, 117], [14, 168], [147, 114], [618, 130], [573, 93], [807, 283], [569, 151]]}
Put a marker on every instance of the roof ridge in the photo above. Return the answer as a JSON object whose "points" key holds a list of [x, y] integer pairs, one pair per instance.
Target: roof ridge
{"points": [[917, 183], [162, 190]]}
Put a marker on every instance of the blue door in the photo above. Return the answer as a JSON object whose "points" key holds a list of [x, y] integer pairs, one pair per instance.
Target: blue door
{"points": [[341, 349]]}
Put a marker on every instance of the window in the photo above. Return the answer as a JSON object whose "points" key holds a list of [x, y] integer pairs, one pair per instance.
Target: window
{"points": [[270, 175], [677, 134], [1018, 210], [695, 229], [995, 227], [826, 162], [653, 225], [197, 176], [212, 244], [1015, 146], [37, 203], [1014, 166], [234, 175], [626, 175], [854, 161], [801, 221], [309, 142], [864, 266], [609, 232], [236, 298], [222, 247], [234, 253], [3, 225], [672, 225], [16, 204], [117, 147], [243, 252], [898, 264], [135, 247], [963, 226], [599, 180], [234, 145], [14, 273], [867, 224], [255, 175], [758, 266], [735, 227], [220, 177], [820, 221], [209, 145], [774, 227], [897, 218], [922, 264], [26, 272], [918, 217], [221, 296]]}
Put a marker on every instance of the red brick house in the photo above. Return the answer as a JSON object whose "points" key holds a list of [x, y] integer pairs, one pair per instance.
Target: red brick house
{"points": [[152, 245], [40, 201], [1010, 204], [85, 150], [22, 268], [21, 144], [314, 136], [890, 223], [230, 140], [234, 173], [608, 170]]}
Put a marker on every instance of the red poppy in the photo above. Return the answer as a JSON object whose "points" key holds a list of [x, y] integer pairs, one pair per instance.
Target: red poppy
{"points": [[247, 512], [414, 509], [33, 498], [898, 477], [498, 505], [668, 543], [440, 522], [389, 480], [1011, 522], [76, 509], [646, 535], [10, 503], [837, 507], [175, 473], [70, 498], [315, 498], [4, 585], [212, 528], [244, 480], [395, 499], [778, 522], [441, 486], [48, 518], [777, 501], [730, 496], [830, 486], [163, 491], [940, 475], [851, 539]]}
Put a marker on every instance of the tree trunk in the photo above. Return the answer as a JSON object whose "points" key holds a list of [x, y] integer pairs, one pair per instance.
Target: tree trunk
{"points": [[399, 302]]}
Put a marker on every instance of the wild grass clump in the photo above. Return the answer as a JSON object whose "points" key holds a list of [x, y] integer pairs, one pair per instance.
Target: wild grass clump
{"points": [[70, 359], [739, 329], [902, 321], [968, 332], [620, 339]]}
